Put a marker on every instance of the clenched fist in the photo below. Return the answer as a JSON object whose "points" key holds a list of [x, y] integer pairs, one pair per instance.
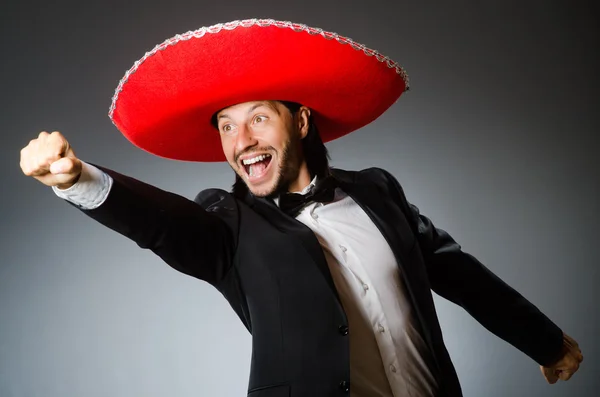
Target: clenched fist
{"points": [[568, 363], [51, 160]]}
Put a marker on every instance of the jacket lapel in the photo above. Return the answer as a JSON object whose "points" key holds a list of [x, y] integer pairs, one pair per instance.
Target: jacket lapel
{"points": [[384, 214], [286, 224]]}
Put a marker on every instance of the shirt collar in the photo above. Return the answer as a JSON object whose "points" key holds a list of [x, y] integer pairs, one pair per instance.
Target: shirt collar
{"points": [[302, 192]]}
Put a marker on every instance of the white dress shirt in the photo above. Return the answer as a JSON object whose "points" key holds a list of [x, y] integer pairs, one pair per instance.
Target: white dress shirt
{"points": [[388, 357]]}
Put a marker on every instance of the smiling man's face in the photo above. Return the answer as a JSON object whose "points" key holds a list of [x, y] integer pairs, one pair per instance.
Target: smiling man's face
{"points": [[262, 143]]}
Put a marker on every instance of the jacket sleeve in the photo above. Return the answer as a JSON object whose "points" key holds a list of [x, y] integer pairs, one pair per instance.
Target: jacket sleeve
{"points": [[190, 236], [462, 279]]}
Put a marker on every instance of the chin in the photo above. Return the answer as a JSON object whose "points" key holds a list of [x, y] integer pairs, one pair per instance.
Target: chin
{"points": [[263, 190]]}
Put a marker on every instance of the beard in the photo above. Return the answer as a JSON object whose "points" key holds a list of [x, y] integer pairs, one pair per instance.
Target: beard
{"points": [[289, 168]]}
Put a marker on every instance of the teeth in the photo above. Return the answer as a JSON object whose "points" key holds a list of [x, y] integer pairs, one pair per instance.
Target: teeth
{"points": [[255, 159]]}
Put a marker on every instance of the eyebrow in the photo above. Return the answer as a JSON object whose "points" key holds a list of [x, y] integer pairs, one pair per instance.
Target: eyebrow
{"points": [[253, 108]]}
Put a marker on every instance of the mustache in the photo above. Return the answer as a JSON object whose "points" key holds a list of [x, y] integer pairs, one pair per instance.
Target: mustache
{"points": [[254, 150]]}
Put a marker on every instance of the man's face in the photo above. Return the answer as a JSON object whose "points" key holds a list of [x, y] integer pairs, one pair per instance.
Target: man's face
{"points": [[261, 141]]}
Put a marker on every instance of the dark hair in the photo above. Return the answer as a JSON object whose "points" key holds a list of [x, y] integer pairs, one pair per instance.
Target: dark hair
{"points": [[314, 151]]}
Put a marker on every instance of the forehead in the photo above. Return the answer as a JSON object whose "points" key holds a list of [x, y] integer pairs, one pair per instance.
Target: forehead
{"points": [[248, 106]]}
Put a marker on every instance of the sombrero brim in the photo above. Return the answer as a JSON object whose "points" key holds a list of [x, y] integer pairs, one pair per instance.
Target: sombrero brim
{"points": [[164, 103]]}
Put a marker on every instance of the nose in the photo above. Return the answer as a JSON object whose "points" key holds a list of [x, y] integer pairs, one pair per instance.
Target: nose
{"points": [[244, 139]]}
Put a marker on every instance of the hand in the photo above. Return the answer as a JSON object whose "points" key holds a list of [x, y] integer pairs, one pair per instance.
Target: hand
{"points": [[568, 363], [51, 160]]}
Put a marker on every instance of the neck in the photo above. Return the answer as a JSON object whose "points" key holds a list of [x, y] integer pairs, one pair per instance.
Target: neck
{"points": [[302, 181]]}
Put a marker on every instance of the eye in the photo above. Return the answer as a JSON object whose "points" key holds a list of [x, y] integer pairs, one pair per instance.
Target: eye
{"points": [[260, 119], [226, 128]]}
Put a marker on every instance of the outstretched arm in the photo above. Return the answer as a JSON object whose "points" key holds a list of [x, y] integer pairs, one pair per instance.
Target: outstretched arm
{"points": [[180, 231], [462, 279]]}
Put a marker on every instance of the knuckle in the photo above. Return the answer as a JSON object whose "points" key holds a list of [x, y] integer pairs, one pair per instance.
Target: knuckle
{"points": [[53, 137], [41, 161], [57, 136], [54, 154], [28, 169], [43, 134]]}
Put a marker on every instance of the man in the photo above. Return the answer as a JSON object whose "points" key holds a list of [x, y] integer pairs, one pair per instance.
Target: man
{"points": [[334, 281]]}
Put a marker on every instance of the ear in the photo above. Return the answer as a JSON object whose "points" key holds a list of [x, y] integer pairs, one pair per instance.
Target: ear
{"points": [[303, 120]]}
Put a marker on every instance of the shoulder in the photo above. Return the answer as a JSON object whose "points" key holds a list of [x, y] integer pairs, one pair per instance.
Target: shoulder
{"points": [[375, 175], [373, 179], [213, 200]]}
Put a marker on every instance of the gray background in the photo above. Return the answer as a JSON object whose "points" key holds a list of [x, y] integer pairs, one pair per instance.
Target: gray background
{"points": [[496, 142]]}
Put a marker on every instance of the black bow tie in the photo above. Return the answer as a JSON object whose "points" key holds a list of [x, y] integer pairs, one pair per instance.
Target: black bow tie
{"points": [[322, 192]]}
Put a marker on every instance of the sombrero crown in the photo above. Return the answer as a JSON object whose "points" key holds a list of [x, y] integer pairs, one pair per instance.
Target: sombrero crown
{"points": [[164, 103]]}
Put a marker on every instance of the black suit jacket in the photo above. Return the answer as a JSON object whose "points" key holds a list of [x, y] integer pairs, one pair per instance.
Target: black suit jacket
{"points": [[272, 270]]}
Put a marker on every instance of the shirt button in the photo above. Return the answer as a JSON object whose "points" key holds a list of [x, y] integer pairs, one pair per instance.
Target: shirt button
{"points": [[380, 328], [343, 329], [344, 249], [345, 386], [392, 368], [314, 216], [365, 287]]}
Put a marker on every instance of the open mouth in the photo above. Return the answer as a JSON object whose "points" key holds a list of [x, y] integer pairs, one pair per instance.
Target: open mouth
{"points": [[256, 166]]}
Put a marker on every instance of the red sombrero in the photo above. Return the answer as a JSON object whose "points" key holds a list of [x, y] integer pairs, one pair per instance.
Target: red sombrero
{"points": [[164, 103]]}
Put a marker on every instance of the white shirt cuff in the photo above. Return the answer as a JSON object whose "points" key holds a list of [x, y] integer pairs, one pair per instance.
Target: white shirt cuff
{"points": [[90, 191]]}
